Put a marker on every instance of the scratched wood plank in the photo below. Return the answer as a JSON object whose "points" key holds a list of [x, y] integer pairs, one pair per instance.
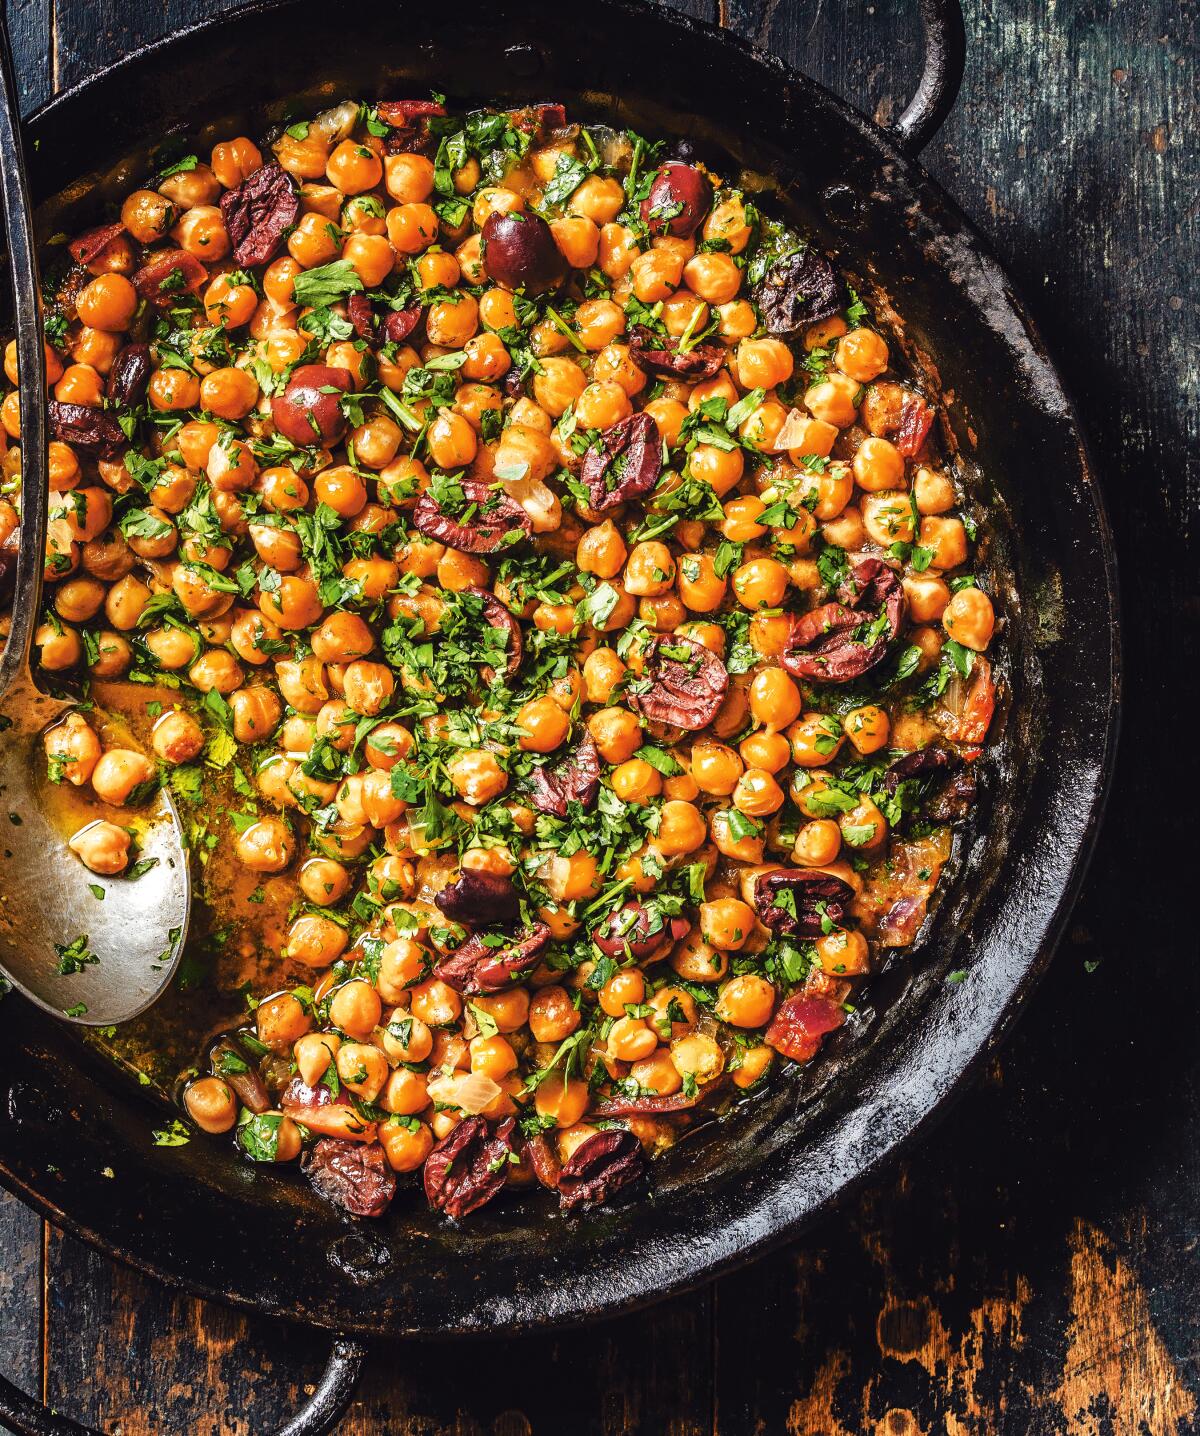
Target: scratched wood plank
{"points": [[1032, 1267], [20, 1296]]}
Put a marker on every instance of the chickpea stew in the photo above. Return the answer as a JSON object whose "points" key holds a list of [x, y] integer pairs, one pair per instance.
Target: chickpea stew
{"points": [[551, 609]]}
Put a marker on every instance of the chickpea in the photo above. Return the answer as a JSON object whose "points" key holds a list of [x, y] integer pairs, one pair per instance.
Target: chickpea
{"points": [[107, 302], [714, 277], [216, 670], [452, 441], [492, 1057], [401, 964], [102, 847], [843, 953], [616, 733], [72, 749], [411, 228], [235, 160], [948, 540], [313, 939], [715, 767], [201, 232], [816, 738], [552, 1015], [833, 400], [211, 1104], [457, 571], [598, 199], [176, 737], [324, 881], [657, 1074], [387, 745], [887, 518], [404, 1146], [867, 728], [864, 826], [701, 588], [313, 1053], [726, 222], [368, 687], [121, 776], [478, 776], [774, 698], [618, 250], [598, 323], [256, 713], [697, 1056], [567, 879], [354, 167], [630, 1040], [228, 305], [281, 1021], [603, 404], [969, 619], [650, 569], [342, 638], [760, 583], [302, 683], [763, 363], [928, 596], [746, 848], [601, 550], [862, 355], [933, 493], [559, 385], [726, 923], [544, 726], [757, 794], [436, 1003], [817, 843], [362, 1068], [656, 275], [564, 1099], [680, 829], [314, 241], [635, 781], [878, 465], [267, 846], [746, 1001]]}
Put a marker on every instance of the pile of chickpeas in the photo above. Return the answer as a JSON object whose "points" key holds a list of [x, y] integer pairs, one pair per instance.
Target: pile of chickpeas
{"points": [[292, 669]]}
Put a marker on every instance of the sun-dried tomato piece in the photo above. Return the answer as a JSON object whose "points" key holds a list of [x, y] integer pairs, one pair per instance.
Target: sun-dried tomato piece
{"points": [[680, 196], [838, 642], [971, 723], [497, 616], [467, 1168], [488, 528], [574, 779], [540, 119], [801, 902], [599, 1168], [638, 928], [399, 113], [916, 420], [683, 684], [661, 352], [167, 274], [258, 213], [309, 410], [489, 963], [92, 243], [798, 290], [479, 899], [627, 463], [129, 375], [800, 1024], [94, 432], [352, 1175]]}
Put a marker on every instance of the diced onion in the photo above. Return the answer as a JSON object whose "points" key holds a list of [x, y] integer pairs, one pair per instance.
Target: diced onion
{"points": [[470, 1092]]}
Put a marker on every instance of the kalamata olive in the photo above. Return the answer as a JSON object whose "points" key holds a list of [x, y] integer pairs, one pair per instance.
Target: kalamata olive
{"points": [[494, 516], [838, 642], [352, 1175], [469, 1167], [575, 779], [308, 411], [624, 464], [680, 196], [639, 928], [480, 965], [661, 352], [519, 252], [495, 615], [599, 1168], [479, 899], [129, 375], [258, 213], [801, 902], [544, 1160], [798, 290], [683, 683]]}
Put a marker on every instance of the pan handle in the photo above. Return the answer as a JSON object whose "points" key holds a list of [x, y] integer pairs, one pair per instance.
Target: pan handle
{"points": [[319, 1415], [945, 58]]}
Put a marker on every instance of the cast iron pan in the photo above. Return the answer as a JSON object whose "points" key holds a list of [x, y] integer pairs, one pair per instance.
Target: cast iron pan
{"points": [[203, 1220]]}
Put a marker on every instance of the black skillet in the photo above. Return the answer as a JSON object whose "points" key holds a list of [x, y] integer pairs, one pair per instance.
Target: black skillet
{"points": [[196, 1217]]}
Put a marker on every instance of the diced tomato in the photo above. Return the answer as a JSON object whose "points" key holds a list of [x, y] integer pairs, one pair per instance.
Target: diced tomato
{"points": [[798, 1027], [916, 420], [156, 281], [92, 243]]}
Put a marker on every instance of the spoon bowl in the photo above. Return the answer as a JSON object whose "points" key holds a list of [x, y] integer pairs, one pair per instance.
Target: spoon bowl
{"points": [[90, 949]]}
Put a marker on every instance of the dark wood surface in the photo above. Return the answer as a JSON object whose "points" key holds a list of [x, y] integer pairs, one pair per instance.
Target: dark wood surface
{"points": [[1034, 1266]]}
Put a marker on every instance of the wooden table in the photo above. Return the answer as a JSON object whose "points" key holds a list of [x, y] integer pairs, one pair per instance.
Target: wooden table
{"points": [[1034, 1267]]}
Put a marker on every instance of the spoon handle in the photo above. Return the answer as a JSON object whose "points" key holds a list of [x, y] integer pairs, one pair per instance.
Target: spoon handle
{"points": [[18, 224]]}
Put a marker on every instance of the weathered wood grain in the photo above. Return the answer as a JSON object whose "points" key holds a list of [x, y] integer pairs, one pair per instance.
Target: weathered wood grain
{"points": [[1031, 1268]]}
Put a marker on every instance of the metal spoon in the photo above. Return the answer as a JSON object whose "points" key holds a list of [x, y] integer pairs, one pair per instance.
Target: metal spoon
{"points": [[96, 950]]}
